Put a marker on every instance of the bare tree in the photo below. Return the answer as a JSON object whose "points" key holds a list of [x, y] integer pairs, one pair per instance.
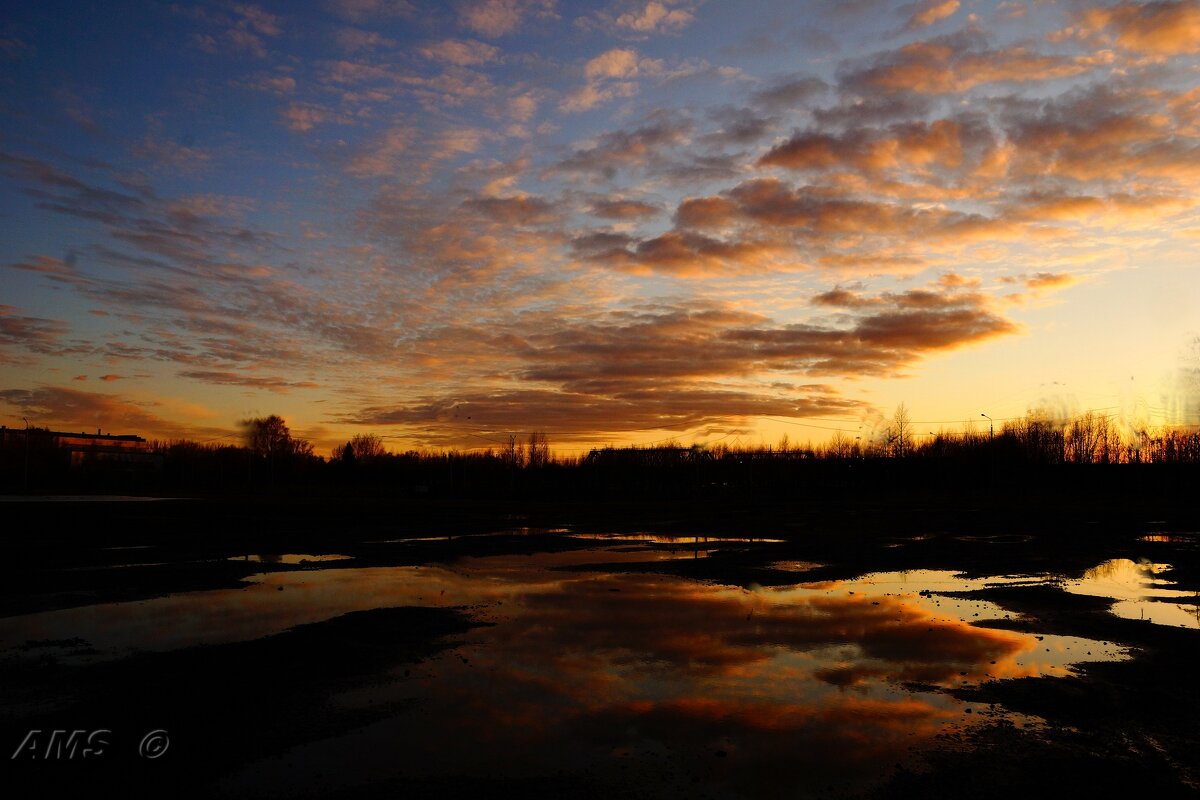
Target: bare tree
{"points": [[901, 431], [366, 446], [538, 449]]}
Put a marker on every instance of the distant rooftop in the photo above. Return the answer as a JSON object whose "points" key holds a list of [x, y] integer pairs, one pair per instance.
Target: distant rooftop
{"points": [[109, 437]]}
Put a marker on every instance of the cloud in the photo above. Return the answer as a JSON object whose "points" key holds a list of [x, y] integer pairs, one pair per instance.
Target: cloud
{"points": [[363, 10], [738, 127], [514, 209], [676, 367], [255, 18], [958, 63], [1156, 28], [166, 153], [927, 12], [590, 95], [620, 209], [1049, 280], [689, 254], [184, 273], [269, 383], [31, 334], [944, 144], [621, 62], [241, 31], [72, 409], [816, 215], [45, 265], [788, 93], [656, 17], [495, 18], [460, 52], [382, 156], [275, 84], [620, 149], [352, 40], [1040, 283], [610, 74]]}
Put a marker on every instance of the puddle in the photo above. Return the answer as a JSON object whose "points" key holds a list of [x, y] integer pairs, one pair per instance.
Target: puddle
{"points": [[661, 676], [289, 558], [1140, 592], [997, 538], [794, 566], [1170, 538], [822, 680], [657, 538]]}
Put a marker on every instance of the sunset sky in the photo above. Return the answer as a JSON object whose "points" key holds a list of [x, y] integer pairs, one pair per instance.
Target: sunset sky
{"points": [[614, 222]]}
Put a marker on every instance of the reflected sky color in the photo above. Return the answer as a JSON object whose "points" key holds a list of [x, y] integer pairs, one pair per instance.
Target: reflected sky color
{"points": [[610, 220], [581, 669], [1141, 592], [289, 558]]}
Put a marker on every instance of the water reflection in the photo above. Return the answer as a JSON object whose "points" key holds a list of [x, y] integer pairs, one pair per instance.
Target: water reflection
{"points": [[1140, 592], [637, 677], [1170, 538], [674, 678], [684, 539], [289, 558]]}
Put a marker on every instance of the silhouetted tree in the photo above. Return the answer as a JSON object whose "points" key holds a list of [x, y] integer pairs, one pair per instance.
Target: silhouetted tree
{"points": [[901, 431], [270, 439], [366, 446], [538, 450], [267, 436]]}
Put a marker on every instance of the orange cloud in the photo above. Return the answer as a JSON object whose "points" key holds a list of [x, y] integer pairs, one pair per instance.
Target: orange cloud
{"points": [[913, 146], [69, 409], [930, 11], [958, 64], [1157, 28]]}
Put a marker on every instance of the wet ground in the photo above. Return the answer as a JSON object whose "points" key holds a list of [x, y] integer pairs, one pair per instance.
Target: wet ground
{"points": [[578, 659]]}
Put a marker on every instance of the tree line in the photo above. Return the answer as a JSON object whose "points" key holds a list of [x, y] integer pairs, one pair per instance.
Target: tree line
{"points": [[270, 457]]}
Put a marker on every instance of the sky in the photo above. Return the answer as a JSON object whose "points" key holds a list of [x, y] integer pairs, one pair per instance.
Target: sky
{"points": [[619, 222]]}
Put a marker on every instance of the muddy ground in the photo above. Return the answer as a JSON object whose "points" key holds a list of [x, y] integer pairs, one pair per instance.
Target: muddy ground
{"points": [[1127, 726]]}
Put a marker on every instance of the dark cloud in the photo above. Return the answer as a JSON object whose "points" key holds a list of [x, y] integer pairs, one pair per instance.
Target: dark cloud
{"points": [[958, 63], [942, 146], [786, 94], [685, 253], [628, 149], [738, 127], [30, 334], [620, 209], [567, 415], [514, 210], [665, 367], [1106, 133]]}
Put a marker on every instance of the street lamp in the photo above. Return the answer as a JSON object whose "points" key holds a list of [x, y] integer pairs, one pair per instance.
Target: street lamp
{"points": [[991, 431]]}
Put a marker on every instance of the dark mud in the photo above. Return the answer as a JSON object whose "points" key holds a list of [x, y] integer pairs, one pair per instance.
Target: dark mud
{"points": [[223, 705]]}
